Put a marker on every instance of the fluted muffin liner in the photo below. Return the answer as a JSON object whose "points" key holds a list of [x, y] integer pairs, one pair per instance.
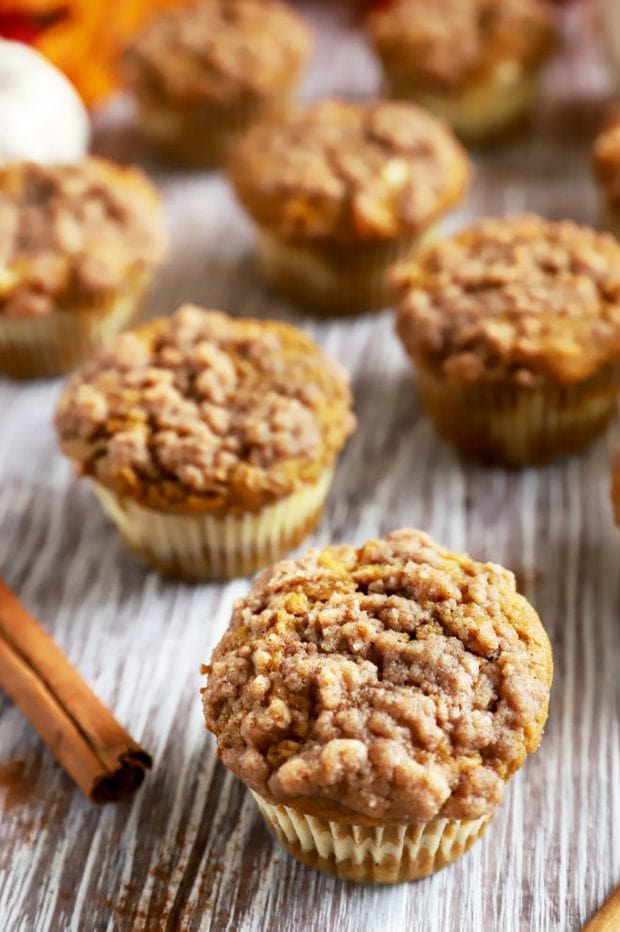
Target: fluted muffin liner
{"points": [[202, 135], [56, 343], [202, 546], [517, 426], [381, 853], [481, 110], [334, 280]]}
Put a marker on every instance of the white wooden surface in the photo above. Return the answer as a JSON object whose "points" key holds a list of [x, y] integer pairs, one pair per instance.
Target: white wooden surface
{"points": [[190, 852]]}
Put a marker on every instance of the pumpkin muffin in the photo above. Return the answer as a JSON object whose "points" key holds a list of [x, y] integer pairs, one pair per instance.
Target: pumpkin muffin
{"points": [[514, 329], [606, 166], [203, 72], [615, 489], [376, 701], [77, 248], [209, 441], [476, 63], [339, 190]]}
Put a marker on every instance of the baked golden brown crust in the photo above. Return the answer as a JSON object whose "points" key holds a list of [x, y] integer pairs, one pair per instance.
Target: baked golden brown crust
{"points": [[446, 44], [349, 172], [72, 235], [203, 412], [397, 681], [606, 162], [518, 299], [615, 489], [220, 52]]}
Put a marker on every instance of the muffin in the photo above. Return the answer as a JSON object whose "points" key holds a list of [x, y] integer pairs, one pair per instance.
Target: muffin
{"points": [[376, 701], [615, 489], [514, 329], [210, 442], [203, 72], [476, 63], [606, 167], [610, 23], [77, 248], [339, 190]]}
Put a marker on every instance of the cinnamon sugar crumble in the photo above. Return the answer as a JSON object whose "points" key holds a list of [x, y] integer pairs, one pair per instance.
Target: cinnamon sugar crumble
{"points": [[201, 410], [444, 43], [72, 234], [221, 51], [349, 171], [521, 298], [400, 681]]}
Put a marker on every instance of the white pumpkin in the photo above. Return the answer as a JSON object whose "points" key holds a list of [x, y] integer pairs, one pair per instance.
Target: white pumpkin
{"points": [[42, 118]]}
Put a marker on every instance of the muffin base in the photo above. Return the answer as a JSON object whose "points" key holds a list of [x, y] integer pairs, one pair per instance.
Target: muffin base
{"points": [[203, 546], [334, 280], [201, 136], [482, 111], [40, 347], [515, 426], [379, 853]]}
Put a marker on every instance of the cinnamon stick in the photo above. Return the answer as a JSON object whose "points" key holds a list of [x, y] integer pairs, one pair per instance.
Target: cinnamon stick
{"points": [[607, 919], [84, 737]]}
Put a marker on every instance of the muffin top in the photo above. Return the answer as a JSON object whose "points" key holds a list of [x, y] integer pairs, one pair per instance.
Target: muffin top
{"points": [[519, 299], [606, 161], [397, 681], [200, 411], [349, 172], [221, 51], [615, 489], [71, 234], [446, 43]]}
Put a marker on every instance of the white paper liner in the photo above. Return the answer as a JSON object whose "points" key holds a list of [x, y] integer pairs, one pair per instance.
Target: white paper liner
{"points": [[388, 853], [482, 110], [56, 343], [203, 546], [326, 282]]}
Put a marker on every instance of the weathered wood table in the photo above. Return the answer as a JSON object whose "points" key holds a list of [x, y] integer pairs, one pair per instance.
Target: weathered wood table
{"points": [[190, 851]]}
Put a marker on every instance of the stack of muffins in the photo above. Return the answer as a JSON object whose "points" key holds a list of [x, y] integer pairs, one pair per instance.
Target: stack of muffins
{"points": [[377, 700]]}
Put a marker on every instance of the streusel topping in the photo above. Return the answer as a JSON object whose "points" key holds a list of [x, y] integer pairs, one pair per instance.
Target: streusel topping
{"points": [[349, 171], [606, 161], [397, 680], [521, 298], [445, 43], [221, 51], [73, 234], [202, 411]]}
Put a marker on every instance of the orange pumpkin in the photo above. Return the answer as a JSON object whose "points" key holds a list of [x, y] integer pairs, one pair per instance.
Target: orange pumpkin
{"points": [[82, 37]]}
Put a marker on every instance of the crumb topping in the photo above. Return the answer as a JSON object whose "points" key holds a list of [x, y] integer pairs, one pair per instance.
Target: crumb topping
{"points": [[397, 680], [606, 161], [349, 171], [521, 298], [73, 234], [202, 411], [445, 43], [221, 51]]}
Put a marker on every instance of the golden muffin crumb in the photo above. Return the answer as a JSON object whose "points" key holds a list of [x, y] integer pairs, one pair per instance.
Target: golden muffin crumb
{"points": [[606, 161], [72, 234], [203, 411], [220, 51], [520, 299], [446, 43], [398, 680], [349, 172]]}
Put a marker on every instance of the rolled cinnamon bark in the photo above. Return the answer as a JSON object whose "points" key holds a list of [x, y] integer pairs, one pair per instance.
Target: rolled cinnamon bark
{"points": [[84, 737]]}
